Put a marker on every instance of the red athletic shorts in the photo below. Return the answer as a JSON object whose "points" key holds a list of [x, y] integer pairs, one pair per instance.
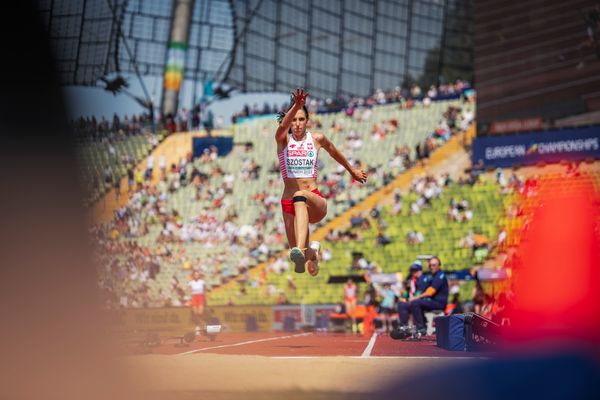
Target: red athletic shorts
{"points": [[288, 205], [197, 300]]}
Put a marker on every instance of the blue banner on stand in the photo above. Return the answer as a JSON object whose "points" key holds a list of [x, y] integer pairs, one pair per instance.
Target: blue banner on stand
{"points": [[547, 146], [223, 144]]}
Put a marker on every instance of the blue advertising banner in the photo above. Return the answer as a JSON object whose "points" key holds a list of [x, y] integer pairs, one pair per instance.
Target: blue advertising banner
{"points": [[223, 144], [530, 148]]}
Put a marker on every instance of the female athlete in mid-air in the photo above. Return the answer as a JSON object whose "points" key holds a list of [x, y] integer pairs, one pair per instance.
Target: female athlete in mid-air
{"points": [[301, 202]]}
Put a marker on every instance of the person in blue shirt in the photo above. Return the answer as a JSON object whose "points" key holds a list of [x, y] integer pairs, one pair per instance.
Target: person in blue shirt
{"points": [[435, 297], [416, 284], [388, 299]]}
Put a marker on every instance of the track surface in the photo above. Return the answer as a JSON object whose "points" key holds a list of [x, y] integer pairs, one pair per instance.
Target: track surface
{"points": [[280, 344]]}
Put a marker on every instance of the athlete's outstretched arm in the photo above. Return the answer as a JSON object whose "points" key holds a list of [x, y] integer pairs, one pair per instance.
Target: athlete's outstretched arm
{"points": [[358, 174], [299, 96]]}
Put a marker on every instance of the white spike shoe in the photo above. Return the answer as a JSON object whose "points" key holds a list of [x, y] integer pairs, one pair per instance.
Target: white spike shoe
{"points": [[312, 265]]}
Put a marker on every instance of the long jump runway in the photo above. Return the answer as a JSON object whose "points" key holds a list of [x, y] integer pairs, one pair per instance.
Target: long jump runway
{"points": [[284, 365]]}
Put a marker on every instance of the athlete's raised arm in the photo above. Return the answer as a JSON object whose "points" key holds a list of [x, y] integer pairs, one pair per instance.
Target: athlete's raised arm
{"points": [[299, 97]]}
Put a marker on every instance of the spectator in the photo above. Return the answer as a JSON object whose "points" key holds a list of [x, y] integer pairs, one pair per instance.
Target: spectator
{"points": [[196, 118], [282, 298], [500, 242], [350, 299], [197, 288], [478, 297], [356, 220], [382, 239], [488, 307], [326, 256], [208, 122], [503, 310], [117, 186], [415, 237], [162, 164], [454, 306], [359, 262], [130, 178], [460, 211], [387, 304], [149, 168]]}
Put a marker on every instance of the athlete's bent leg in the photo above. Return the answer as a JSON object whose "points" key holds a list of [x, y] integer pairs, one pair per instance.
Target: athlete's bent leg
{"points": [[311, 210], [308, 207], [301, 210]]}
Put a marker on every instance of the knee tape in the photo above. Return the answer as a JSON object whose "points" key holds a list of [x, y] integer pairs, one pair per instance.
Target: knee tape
{"points": [[297, 199]]}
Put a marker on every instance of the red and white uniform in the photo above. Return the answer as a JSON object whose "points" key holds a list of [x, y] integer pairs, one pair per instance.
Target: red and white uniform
{"points": [[197, 289], [350, 293], [299, 158]]}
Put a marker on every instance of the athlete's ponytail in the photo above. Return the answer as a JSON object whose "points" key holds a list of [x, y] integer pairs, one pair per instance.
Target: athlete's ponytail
{"points": [[280, 116]]}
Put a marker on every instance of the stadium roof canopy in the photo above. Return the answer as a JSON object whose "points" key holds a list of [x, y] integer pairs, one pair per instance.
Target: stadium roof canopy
{"points": [[88, 46], [332, 47]]}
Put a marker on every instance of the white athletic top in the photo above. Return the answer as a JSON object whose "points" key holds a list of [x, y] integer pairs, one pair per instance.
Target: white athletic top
{"points": [[299, 158], [197, 287]]}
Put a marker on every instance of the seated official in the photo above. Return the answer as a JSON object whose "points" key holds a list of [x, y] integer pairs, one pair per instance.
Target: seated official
{"points": [[435, 297], [414, 285]]}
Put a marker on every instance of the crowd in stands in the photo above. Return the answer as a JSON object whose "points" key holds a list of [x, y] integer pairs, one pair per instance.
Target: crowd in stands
{"points": [[460, 210], [89, 129], [127, 269], [108, 150], [149, 206], [425, 187], [198, 118], [112, 142], [150, 211], [454, 119], [107, 134], [428, 188], [407, 96], [497, 306], [256, 110]]}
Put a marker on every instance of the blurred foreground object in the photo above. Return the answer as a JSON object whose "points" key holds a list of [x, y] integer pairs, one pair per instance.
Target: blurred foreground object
{"points": [[552, 349], [53, 345]]}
